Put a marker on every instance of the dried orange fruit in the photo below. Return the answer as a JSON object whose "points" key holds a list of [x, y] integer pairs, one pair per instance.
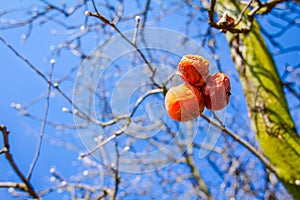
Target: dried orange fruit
{"points": [[193, 70], [184, 102]]}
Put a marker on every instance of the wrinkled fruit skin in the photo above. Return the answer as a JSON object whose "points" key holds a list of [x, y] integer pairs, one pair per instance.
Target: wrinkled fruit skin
{"points": [[193, 70], [184, 102], [216, 91]]}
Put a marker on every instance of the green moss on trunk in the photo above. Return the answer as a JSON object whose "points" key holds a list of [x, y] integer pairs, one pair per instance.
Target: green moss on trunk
{"points": [[266, 101]]}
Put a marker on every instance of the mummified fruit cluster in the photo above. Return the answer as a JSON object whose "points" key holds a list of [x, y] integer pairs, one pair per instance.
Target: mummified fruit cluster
{"points": [[186, 101]]}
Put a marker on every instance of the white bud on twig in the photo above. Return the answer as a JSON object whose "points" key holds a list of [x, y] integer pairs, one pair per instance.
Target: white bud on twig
{"points": [[75, 111], [64, 109], [52, 170], [85, 173], [63, 183], [87, 13], [52, 61], [55, 85], [18, 106], [11, 190], [126, 148], [52, 179], [137, 18]]}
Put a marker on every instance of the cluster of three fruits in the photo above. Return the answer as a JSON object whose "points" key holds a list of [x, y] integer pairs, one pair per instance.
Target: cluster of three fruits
{"points": [[200, 89]]}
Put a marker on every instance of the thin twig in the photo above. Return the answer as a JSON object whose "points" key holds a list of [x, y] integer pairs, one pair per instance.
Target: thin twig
{"points": [[116, 174], [190, 161], [123, 129], [137, 22], [98, 146], [145, 13], [43, 125], [291, 89], [239, 19], [106, 21], [25, 60], [19, 186], [95, 7], [244, 143], [225, 27], [78, 112], [218, 120], [12, 163]]}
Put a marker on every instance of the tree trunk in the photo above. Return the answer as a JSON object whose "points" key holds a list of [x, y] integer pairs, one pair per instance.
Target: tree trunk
{"points": [[270, 116]]}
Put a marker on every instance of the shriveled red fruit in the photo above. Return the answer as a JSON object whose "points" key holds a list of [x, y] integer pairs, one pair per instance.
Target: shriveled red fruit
{"points": [[193, 69], [184, 102], [216, 91]]}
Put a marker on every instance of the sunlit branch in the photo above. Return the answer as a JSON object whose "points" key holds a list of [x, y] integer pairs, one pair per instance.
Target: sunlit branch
{"points": [[243, 142], [137, 19], [239, 19], [19, 186], [128, 118], [99, 192]]}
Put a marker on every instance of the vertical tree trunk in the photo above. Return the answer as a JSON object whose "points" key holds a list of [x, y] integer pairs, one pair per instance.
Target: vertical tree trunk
{"points": [[270, 116]]}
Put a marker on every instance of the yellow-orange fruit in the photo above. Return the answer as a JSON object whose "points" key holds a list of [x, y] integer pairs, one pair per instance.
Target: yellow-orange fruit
{"points": [[216, 91], [184, 102], [193, 70]]}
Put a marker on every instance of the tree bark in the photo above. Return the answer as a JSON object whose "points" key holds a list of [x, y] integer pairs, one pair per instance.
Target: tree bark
{"points": [[267, 106]]}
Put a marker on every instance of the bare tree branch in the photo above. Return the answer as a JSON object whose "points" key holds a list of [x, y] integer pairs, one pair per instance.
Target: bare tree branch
{"points": [[112, 24], [123, 129], [12, 163], [19, 186], [116, 174], [43, 125], [243, 142]]}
